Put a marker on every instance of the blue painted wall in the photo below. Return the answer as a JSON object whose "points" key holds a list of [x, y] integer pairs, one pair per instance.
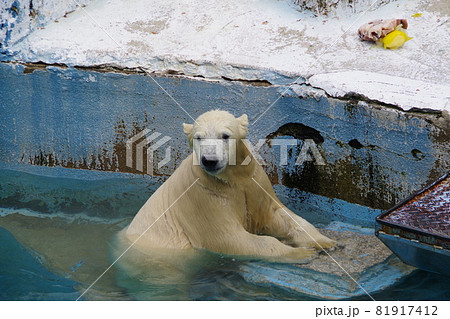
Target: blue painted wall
{"points": [[82, 118]]}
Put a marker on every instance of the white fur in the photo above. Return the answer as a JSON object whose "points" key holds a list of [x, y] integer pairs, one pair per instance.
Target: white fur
{"points": [[225, 211]]}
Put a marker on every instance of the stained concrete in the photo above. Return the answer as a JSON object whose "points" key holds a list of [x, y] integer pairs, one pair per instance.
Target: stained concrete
{"points": [[77, 118], [355, 253]]}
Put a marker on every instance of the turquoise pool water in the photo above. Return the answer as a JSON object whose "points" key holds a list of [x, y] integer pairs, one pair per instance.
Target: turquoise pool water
{"points": [[56, 230]]}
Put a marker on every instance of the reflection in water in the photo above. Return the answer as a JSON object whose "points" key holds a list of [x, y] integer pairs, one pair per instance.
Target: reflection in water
{"points": [[189, 275], [68, 227], [186, 275]]}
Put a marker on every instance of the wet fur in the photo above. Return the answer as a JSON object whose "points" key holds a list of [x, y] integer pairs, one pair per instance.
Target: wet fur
{"points": [[228, 213]]}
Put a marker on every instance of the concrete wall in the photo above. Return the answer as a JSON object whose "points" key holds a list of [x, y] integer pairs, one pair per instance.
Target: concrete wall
{"points": [[81, 118]]}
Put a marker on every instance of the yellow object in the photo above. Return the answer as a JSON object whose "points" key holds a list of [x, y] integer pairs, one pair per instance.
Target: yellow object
{"points": [[416, 15], [395, 39]]}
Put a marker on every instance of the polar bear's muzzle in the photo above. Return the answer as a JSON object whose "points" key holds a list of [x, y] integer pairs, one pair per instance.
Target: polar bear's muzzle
{"points": [[211, 154], [210, 163]]}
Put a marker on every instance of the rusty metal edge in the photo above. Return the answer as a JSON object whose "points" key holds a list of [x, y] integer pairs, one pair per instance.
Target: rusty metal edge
{"points": [[379, 218], [418, 254]]}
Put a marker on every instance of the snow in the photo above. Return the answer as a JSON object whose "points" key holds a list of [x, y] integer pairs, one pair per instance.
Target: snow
{"points": [[405, 93], [247, 40], [18, 18]]}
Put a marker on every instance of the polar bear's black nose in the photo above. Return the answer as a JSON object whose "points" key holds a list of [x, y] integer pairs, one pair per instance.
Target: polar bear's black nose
{"points": [[209, 162]]}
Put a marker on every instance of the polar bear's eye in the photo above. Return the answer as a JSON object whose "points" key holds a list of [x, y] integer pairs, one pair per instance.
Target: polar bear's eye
{"points": [[225, 136]]}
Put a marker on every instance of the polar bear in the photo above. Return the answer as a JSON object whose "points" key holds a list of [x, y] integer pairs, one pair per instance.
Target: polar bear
{"points": [[219, 201]]}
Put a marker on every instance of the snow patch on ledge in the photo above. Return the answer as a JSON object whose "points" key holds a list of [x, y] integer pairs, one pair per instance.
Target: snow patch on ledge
{"points": [[254, 40], [226, 37], [18, 18], [405, 93]]}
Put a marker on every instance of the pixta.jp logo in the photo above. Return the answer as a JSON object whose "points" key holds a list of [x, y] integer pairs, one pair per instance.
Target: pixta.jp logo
{"points": [[219, 151], [146, 144], [144, 140]]}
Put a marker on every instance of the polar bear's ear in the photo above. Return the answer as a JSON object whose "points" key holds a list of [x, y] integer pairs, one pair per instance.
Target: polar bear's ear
{"points": [[243, 122], [188, 131], [187, 128]]}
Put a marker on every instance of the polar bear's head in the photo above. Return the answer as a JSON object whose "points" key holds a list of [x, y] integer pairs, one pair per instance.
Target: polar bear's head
{"points": [[214, 138]]}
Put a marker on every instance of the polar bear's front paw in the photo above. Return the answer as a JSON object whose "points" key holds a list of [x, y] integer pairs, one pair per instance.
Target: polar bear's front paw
{"points": [[319, 243], [324, 243], [300, 255]]}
